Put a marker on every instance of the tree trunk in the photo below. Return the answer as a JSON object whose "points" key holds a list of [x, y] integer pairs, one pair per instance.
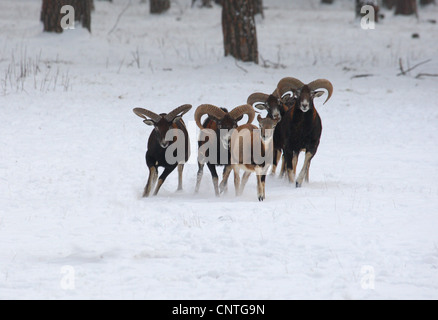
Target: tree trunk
{"points": [[258, 8], [51, 13], [388, 4], [159, 6], [239, 30], [426, 2], [207, 3], [327, 1], [204, 3], [358, 7], [372, 3], [406, 7]]}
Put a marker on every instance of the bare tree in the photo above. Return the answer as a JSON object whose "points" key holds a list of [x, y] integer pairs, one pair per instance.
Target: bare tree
{"points": [[406, 7], [388, 4], [51, 13], [239, 29], [371, 3], [159, 6], [426, 2], [204, 3], [358, 7], [258, 8]]}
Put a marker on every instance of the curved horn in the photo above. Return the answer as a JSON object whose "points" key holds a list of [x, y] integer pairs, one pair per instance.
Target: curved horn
{"points": [[209, 110], [288, 84], [241, 110], [143, 113], [258, 100], [322, 84], [180, 110]]}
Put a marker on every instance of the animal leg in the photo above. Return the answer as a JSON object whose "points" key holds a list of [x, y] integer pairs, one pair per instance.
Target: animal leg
{"points": [[294, 166], [283, 167], [260, 193], [199, 176], [245, 177], [223, 187], [275, 160], [214, 176], [153, 175], [237, 181], [166, 172], [305, 169], [180, 176], [263, 183], [289, 167]]}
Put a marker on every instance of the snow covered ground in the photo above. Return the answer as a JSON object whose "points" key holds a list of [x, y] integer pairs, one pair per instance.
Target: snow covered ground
{"points": [[73, 224]]}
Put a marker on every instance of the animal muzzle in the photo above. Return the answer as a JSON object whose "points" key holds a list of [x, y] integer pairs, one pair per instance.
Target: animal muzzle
{"points": [[266, 140], [267, 135], [305, 107], [164, 143], [276, 115], [225, 137], [225, 141]]}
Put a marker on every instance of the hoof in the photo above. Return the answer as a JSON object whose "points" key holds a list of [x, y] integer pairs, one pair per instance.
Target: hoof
{"points": [[298, 185], [261, 198]]}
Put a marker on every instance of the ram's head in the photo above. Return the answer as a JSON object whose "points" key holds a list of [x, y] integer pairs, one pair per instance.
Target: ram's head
{"points": [[163, 122]]}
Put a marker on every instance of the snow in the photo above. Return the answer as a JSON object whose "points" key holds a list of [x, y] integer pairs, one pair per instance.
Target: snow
{"points": [[73, 224]]}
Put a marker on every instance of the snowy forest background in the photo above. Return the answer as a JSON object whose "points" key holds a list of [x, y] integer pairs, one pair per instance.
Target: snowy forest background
{"points": [[73, 224]]}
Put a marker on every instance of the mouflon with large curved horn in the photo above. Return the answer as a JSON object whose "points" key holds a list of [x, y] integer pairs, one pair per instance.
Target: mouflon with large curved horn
{"points": [[216, 152], [302, 128], [169, 130]]}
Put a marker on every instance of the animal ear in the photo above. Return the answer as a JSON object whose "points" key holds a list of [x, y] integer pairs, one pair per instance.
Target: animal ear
{"points": [[287, 95], [178, 118], [259, 118], [149, 122], [317, 94], [260, 106]]}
